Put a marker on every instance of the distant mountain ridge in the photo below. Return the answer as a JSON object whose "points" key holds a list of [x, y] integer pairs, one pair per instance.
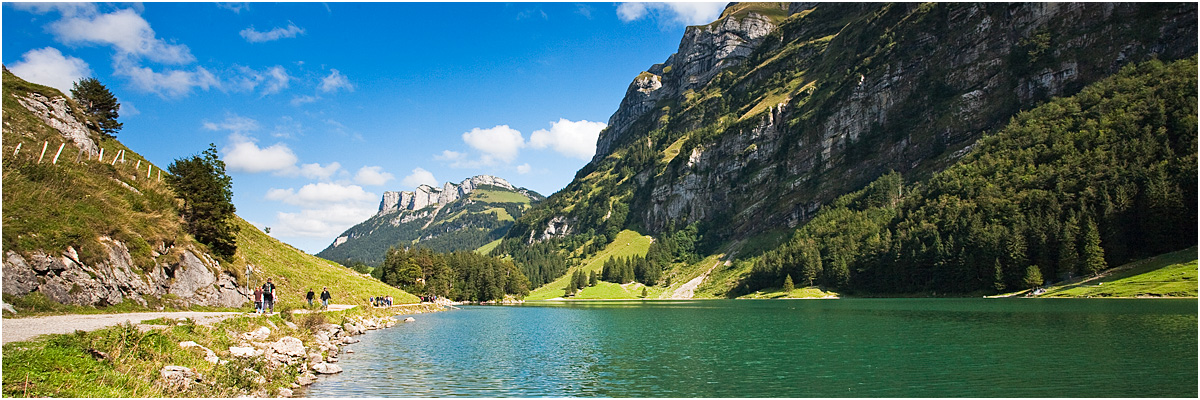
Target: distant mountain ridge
{"points": [[462, 216]]}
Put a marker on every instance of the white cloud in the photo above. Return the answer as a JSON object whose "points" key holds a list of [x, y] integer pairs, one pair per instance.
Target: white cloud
{"points": [[569, 138], [126, 109], [498, 142], [50, 67], [301, 100], [242, 154], [272, 80], [235, 7], [125, 30], [324, 222], [524, 169], [419, 177], [315, 170], [169, 83], [681, 13], [373, 176], [287, 128], [335, 81], [448, 155], [66, 9], [234, 123], [321, 194], [253, 36]]}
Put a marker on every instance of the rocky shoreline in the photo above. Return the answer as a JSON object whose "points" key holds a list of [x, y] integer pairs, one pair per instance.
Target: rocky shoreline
{"points": [[277, 348]]}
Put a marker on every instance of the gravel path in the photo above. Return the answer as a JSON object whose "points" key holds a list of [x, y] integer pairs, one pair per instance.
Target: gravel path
{"points": [[688, 290], [21, 329]]}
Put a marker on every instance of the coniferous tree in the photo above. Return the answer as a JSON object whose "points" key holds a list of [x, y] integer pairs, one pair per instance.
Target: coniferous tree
{"points": [[1033, 277], [99, 103], [1093, 254], [788, 285], [1068, 254], [207, 194]]}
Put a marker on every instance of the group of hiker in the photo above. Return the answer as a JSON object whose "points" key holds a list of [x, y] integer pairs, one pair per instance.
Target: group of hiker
{"points": [[264, 298], [380, 301]]}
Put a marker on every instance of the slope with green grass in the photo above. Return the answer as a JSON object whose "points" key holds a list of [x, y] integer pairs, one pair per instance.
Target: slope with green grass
{"points": [[1168, 275], [104, 235], [626, 244]]}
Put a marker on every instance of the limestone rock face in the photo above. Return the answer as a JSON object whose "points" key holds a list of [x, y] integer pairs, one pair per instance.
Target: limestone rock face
{"points": [[57, 113], [773, 152], [425, 195]]}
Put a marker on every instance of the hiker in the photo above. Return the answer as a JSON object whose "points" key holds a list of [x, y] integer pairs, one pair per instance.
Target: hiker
{"points": [[309, 297], [268, 292], [258, 300], [325, 298]]}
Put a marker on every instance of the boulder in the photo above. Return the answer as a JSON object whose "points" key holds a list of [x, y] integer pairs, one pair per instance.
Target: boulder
{"points": [[350, 340], [289, 346], [290, 325], [307, 378], [177, 377], [209, 355], [236, 351], [257, 335], [410, 319], [285, 392], [327, 368]]}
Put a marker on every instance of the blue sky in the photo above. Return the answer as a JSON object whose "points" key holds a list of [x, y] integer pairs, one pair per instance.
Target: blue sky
{"points": [[318, 108]]}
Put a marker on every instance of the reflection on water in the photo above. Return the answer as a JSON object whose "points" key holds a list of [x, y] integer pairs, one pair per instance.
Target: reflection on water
{"points": [[802, 348]]}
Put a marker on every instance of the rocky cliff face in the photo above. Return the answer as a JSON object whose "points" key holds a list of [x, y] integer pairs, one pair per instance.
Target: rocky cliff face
{"points": [[426, 195], [754, 125], [192, 279]]}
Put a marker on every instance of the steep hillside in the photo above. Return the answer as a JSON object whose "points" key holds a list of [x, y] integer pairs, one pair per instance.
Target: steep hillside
{"points": [[93, 224], [756, 122], [464, 216], [759, 120]]}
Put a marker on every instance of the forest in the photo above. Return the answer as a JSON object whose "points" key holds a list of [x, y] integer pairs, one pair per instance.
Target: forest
{"points": [[1066, 189], [459, 276]]}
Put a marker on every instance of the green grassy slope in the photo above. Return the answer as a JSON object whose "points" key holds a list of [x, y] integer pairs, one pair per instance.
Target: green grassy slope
{"points": [[294, 272], [50, 207], [628, 243], [1168, 275]]}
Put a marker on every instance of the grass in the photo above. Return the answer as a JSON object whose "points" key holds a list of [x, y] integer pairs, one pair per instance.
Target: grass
{"points": [[123, 361], [627, 243], [295, 272], [487, 248], [1167, 275], [498, 196], [811, 292]]}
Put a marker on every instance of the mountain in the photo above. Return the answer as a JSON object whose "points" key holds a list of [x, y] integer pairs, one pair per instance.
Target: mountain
{"points": [[89, 222], [774, 111], [463, 216]]}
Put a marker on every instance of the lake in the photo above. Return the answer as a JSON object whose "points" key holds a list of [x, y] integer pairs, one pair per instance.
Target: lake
{"points": [[783, 348]]}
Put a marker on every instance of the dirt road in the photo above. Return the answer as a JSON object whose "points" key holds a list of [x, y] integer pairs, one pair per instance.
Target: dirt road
{"points": [[21, 329]]}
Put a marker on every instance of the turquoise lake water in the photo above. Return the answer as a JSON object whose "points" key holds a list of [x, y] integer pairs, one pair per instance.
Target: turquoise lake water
{"points": [[783, 348]]}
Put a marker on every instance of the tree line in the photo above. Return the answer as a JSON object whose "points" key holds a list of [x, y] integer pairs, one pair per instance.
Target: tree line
{"points": [[1067, 189], [460, 276]]}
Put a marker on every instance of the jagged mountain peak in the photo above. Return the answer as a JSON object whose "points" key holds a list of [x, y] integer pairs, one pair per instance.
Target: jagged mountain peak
{"points": [[426, 195]]}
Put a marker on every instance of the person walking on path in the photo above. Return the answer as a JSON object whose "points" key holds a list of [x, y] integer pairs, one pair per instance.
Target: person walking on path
{"points": [[309, 296], [268, 290], [258, 296], [325, 298]]}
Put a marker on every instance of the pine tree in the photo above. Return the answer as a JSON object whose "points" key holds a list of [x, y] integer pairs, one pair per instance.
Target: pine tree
{"points": [[98, 102], [207, 194], [1068, 254], [1033, 277], [788, 285], [592, 279], [644, 292], [1093, 254]]}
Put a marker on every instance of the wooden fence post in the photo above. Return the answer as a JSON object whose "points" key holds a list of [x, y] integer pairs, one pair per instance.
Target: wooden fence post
{"points": [[149, 168], [18, 149], [100, 158], [60, 147], [43, 152]]}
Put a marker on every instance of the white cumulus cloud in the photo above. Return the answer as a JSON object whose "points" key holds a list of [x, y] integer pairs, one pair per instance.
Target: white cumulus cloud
{"points": [[372, 176], [321, 194], [335, 81], [327, 209], [50, 67], [498, 142], [681, 13], [168, 83], [314, 170], [124, 30], [242, 154], [524, 168], [570, 138], [419, 177], [254, 36]]}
